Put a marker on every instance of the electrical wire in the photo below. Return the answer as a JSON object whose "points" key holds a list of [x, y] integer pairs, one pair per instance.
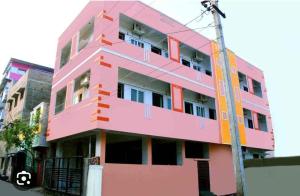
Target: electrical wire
{"points": [[199, 18]]}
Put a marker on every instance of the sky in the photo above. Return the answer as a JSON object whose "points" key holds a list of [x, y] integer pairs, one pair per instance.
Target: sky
{"points": [[266, 33]]}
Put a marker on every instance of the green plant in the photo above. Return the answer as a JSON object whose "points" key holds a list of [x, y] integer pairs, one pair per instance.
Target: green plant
{"points": [[19, 133]]}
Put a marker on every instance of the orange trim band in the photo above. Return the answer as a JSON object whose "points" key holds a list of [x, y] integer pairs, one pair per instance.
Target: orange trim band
{"points": [[107, 17], [104, 41], [102, 92], [101, 118], [105, 64], [103, 105]]}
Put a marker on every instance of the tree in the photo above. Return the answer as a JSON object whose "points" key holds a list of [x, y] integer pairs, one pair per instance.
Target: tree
{"points": [[19, 133]]}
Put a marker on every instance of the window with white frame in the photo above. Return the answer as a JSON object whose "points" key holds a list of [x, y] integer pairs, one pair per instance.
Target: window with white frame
{"points": [[137, 42], [137, 95], [86, 34], [200, 111], [168, 103], [197, 66]]}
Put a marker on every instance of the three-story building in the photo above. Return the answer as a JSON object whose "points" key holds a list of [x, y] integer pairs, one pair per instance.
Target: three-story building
{"points": [[146, 94]]}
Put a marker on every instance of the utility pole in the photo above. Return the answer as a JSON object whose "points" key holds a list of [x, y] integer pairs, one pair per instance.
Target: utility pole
{"points": [[212, 5]]}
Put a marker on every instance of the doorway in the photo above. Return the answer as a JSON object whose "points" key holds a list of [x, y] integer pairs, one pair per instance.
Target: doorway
{"points": [[203, 177]]}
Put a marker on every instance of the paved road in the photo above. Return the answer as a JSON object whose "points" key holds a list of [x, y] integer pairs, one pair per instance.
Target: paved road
{"points": [[8, 189]]}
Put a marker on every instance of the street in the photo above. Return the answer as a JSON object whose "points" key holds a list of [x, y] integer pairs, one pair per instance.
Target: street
{"points": [[8, 189]]}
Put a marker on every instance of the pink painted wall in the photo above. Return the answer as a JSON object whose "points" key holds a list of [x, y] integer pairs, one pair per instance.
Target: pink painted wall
{"points": [[19, 65], [257, 139], [15, 76], [221, 170], [77, 119], [149, 180]]}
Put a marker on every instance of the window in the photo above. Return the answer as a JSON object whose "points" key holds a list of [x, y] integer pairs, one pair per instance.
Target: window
{"points": [[86, 34], [250, 124], [186, 62], [10, 106], [243, 81], [137, 43], [197, 66], [123, 149], [212, 114], [196, 150], [248, 119], [137, 95], [65, 54], [169, 103], [121, 36], [257, 88], [155, 50], [188, 107], [16, 101], [81, 87], [165, 152], [121, 90], [60, 100], [262, 122], [157, 100], [208, 72], [200, 111]]}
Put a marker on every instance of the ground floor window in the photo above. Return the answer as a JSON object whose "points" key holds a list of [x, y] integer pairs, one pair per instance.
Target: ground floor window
{"points": [[166, 152], [123, 149]]}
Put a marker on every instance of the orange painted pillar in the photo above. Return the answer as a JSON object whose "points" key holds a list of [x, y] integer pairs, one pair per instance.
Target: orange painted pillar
{"points": [[103, 147]]}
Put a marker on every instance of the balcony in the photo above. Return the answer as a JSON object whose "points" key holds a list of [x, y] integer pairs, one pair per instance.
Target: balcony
{"points": [[149, 120], [151, 47]]}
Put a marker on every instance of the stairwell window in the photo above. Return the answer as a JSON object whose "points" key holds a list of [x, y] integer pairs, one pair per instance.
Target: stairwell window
{"points": [[81, 87], [65, 54], [257, 88], [86, 34], [248, 119], [262, 122], [60, 100]]}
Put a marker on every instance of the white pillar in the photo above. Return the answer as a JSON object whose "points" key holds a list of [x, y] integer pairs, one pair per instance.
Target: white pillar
{"points": [[98, 144]]}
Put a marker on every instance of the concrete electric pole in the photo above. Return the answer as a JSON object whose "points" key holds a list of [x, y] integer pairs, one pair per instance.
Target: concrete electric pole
{"points": [[212, 5]]}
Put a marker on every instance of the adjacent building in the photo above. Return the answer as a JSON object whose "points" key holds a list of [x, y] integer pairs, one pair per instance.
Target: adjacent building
{"points": [[14, 70], [273, 176], [30, 90], [25, 94], [144, 96], [39, 117], [18, 94]]}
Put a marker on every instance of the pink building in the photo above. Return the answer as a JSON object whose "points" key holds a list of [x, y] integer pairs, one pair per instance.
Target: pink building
{"points": [[145, 95]]}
